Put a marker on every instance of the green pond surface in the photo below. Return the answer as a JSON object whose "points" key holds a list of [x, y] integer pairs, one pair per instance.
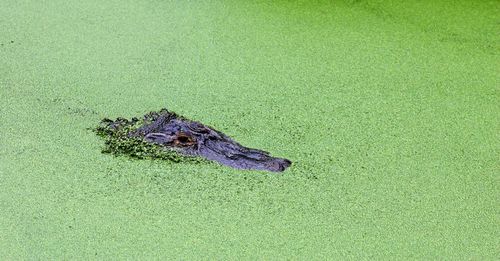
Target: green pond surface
{"points": [[389, 111]]}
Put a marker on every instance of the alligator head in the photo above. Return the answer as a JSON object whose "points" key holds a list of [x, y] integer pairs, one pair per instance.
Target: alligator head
{"points": [[195, 139]]}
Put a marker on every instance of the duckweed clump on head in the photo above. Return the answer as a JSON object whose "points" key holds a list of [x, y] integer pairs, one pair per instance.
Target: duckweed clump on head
{"points": [[118, 142]]}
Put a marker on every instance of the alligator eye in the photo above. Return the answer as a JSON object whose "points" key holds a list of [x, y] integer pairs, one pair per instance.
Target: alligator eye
{"points": [[183, 139]]}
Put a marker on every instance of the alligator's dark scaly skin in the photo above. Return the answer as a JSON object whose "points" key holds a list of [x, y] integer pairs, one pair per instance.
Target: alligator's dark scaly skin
{"points": [[195, 139]]}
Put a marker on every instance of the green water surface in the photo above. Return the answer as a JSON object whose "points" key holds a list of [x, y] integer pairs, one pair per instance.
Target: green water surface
{"points": [[389, 111]]}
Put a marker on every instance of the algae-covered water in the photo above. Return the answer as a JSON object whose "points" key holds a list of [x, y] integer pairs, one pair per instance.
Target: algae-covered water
{"points": [[388, 110]]}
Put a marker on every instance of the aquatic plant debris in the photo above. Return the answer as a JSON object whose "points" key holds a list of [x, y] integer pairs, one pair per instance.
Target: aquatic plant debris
{"points": [[166, 135]]}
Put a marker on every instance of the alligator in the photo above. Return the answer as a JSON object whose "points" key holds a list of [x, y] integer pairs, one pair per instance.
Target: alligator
{"points": [[171, 132]]}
